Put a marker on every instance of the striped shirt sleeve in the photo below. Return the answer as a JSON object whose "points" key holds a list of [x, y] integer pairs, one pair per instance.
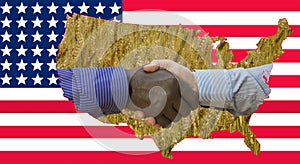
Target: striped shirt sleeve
{"points": [[96, 91], [239, 91]]}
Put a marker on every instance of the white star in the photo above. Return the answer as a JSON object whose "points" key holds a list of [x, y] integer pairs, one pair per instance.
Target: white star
{"points": [[37, 36], [6, 51], [52, 36], [6, 8], [115, 8], [116, 20], [21, 79], [21, 8], [6, 65], [37, 22], [6, 22], [68, 8], [21, 22], [37, 8], [37, 65], [6, 37], [5, 79], [83, 8], [52, 79], [21, 37], [52, 22], [21, 51], [21, 65], [99, 8], [37, 51], [52, 65], [37, 80], [52, 51], [52, 8], [65, 23]]}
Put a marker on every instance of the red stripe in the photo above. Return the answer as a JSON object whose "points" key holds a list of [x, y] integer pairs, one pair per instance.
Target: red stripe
{"points": [[37, 107], [279, 107], [68, 107], [243, 30], [264, 132], [180, 157], [65, 132], [284, 81], [126, 132], [217, 5], [288, 56]]}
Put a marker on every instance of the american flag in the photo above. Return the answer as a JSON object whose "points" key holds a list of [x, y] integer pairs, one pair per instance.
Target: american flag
{"points": [[38, 125]]}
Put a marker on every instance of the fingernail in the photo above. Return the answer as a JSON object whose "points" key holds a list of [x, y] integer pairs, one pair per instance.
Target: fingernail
{"points": [[139, 115], [156, 126], [150, 121], [151, 67]]}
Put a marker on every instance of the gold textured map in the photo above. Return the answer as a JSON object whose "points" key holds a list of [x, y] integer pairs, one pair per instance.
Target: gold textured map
{"points": [[92, 42]]}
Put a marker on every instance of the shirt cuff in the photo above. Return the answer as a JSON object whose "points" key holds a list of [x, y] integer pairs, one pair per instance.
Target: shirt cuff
{"points": [[65, 77], [239, 91], [96, 91], [214, 88]]}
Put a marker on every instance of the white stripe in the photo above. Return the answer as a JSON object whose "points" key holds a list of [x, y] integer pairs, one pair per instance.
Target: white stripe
{"points": [[282, 68], [284, 94], [83, 119], [228, 144], [50, 119], [275, 119], [286, 68], [134, 144], [31, 94], [210, 18], [55, 94], [250, 42]]}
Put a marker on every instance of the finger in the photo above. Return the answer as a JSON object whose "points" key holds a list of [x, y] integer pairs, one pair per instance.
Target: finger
{"points": [[185, 108], [125, 110], [176, 107], [139, 115], [162, 121], [156, 126], [151, 68], [150, 121], [177, 118], [170, 113], [164, 64]]}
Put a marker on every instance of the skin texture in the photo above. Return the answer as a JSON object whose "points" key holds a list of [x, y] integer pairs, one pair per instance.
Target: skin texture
{"points": [[156, 96], [151, 68], [188, 84]]}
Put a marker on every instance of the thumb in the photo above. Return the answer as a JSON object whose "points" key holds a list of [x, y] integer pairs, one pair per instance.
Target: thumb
{"points": [[159, 64], [151, 67], [164, 63]]}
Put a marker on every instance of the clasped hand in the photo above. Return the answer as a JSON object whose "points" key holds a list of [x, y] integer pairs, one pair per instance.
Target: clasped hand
{"points": [[162, 92]]}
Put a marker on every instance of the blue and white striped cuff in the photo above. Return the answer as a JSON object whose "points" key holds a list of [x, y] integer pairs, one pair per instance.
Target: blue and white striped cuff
{"points": [[239, 91], [65, 78], [96, 91]]}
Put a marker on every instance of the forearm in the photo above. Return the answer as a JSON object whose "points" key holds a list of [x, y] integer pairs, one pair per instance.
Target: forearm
{"points": [[96, 91], [239, 91]]}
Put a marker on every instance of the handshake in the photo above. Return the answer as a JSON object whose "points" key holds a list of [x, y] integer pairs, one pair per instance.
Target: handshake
{"points": [[164, 91]]}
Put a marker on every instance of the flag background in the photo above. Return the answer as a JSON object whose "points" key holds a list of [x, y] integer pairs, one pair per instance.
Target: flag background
{"points": [[38, 125]]}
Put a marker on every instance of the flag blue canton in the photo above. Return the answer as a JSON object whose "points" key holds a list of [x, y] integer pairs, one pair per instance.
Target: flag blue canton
{"points": [[30, 33]]}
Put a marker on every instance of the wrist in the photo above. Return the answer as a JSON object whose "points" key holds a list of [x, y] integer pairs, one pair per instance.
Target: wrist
{"points": [[214, 88]]}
